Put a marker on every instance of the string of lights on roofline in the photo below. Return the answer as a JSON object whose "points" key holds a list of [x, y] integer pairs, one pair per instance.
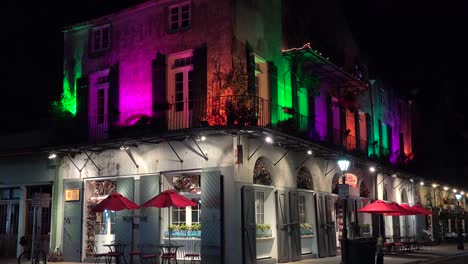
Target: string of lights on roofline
{"points": [[269, 139], [307, 46]]}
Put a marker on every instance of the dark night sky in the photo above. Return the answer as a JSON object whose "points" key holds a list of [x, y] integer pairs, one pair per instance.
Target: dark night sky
{"points": [[418, 44]]}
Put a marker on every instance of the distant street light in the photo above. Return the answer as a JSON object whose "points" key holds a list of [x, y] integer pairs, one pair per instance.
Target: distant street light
{"points": [[344, 165], [459, 215]]}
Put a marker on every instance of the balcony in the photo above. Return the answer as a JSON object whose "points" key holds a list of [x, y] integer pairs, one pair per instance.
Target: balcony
{"points": [[219, 113]]}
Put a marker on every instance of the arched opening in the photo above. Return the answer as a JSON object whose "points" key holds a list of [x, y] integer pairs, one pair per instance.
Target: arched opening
{"points": [[304, 179], [261, 175]]}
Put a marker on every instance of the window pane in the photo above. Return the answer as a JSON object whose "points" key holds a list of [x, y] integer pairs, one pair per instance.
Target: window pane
{"points": [[179, 107], [179, 77], [179, 97], [185, 23]]}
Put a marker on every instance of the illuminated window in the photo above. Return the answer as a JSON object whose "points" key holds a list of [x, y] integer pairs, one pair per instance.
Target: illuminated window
{"points": [[100, 37], [179, 17]]}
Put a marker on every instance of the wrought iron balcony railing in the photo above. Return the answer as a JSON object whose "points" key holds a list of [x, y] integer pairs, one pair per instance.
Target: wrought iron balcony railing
{"points": [[222, 111]]}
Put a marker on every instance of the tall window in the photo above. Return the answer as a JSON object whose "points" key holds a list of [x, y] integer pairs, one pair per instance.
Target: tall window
{"points": [[302, 211], [188, 186], [260, 208], [100, 37], [179, 17]]}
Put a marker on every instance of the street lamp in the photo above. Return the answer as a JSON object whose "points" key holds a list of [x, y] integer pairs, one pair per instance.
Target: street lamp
{"points": [[344, 165], [459, 224]]}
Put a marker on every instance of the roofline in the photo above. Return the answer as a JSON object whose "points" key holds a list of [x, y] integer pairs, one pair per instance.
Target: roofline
{"points": [[134, 8]]}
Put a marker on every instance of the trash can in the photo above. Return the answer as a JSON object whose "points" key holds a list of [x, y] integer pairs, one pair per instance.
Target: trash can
{"points": [[361, 250]]}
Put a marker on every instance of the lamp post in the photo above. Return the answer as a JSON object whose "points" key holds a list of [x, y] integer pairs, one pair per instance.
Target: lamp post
{"points": [[459, 224], [344, 165]]}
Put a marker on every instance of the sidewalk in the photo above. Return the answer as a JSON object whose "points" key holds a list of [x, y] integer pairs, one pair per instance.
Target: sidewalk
{"points": [[434, 252]]}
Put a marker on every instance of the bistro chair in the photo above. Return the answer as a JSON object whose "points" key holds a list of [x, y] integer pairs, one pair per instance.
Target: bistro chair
{"points": [[97, 256], [195, 254], [168, 256], [117, 251], [136, 253], [148, 255]]}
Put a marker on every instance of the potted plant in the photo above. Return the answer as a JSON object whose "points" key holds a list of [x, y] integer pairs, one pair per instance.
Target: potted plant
{"points": [[194, 230], [263, 230], [306, 229]]}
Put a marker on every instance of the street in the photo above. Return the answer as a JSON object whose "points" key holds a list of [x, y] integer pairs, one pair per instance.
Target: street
{"points": [[452, 260]]}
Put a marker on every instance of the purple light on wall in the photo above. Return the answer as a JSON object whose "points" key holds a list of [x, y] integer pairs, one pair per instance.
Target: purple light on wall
{"points": [[320, 116], [135, 90]]}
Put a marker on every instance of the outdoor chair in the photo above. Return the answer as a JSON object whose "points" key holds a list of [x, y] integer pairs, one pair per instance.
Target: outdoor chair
{"points": [[168, 257], [97, 256], [147, 254], [136, 253], [195, 254]]}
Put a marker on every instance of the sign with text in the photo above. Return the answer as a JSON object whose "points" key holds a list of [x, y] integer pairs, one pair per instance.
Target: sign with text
{"points": [[72, 195], [351, 180], [343, 191]]}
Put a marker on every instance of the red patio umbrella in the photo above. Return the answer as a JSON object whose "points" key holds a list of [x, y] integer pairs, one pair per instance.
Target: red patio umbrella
{"points": [[382, 207], [167, 199], [421, 210], [406, 210], [116, 202]]}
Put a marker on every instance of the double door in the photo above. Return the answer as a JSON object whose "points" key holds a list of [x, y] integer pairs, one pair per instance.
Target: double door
{"points": [[326, 225], [288, 226], [9, 215]]}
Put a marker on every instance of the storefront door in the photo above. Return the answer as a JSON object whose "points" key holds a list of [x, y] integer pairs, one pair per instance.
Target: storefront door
{"points": [[9, 212], [72, 213], [287, 215], [326, 226]]}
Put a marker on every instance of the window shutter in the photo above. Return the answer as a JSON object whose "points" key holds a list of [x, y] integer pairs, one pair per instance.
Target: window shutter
{"points": [[250, 64], [199, 82], [329, 118], [113, 94], [82, 94], [159, 89]]}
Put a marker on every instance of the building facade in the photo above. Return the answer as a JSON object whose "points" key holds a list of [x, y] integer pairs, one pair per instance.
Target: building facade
{"points": [[212, 99]]}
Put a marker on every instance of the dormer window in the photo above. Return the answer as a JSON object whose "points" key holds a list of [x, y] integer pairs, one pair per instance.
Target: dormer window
{"points": [[180, 17], [100, 37]]}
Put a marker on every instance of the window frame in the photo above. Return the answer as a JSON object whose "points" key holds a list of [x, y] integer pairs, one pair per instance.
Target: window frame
{"points": [[259, 207], [100, 30], [179, 20]]}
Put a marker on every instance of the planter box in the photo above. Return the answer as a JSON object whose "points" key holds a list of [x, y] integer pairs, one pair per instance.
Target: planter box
{"points": [[176, 233], [307, 232], [263, 233]]}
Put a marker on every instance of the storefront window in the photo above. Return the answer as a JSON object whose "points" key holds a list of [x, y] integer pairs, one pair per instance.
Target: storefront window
{"points": [[302, 210], [99, 226], [188, 186], [260, 208]]}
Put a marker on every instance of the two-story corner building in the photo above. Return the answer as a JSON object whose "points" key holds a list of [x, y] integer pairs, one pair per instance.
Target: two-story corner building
{"points": [[215, 100]]}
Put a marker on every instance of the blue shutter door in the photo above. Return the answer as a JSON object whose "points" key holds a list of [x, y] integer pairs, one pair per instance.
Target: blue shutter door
{"points": [[72, 224], [249, 229], [282, 226], [123, 227], [149, 224], [211, 217], [295, 226]]}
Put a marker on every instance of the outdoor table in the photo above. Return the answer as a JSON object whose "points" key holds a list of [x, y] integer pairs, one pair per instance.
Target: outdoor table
{"points": [[117, 250], [169, 251]]}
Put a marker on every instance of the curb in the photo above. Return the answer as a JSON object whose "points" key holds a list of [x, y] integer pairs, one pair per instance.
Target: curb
{"points": [[437, 258]]}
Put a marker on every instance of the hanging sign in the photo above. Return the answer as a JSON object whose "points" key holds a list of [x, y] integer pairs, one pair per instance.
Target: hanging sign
{"points": [[343, 191], [351, 180]]}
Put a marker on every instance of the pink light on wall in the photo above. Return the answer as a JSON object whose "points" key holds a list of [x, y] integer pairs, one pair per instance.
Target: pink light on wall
{"points": [[135, 90]]}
